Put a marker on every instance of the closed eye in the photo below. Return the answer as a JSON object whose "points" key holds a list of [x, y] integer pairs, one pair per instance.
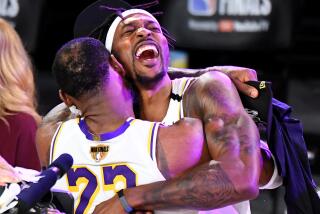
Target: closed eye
{"points": [[128, 30]]}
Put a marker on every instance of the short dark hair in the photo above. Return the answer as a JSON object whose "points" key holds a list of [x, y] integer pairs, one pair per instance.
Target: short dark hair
{"points": [[81, 66]]}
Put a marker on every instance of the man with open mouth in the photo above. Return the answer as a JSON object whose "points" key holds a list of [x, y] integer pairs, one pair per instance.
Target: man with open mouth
{"points": [[139, 46]]}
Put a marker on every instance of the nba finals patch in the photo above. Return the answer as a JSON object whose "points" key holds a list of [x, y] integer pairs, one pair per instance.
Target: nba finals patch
{"points": [[99, 152]]}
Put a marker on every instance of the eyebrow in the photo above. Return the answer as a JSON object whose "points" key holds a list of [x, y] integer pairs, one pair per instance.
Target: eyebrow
{"points": [[147, 22]]}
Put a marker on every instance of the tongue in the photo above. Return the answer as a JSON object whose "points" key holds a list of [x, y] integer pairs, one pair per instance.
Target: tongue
{"points": [[148, 54]]}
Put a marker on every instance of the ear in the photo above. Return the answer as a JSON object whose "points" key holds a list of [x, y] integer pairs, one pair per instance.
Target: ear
{"points": [[65, 98], [117, 66]]}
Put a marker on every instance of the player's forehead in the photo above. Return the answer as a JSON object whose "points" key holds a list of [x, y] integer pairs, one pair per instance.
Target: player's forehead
{"points": [[137, 18]]}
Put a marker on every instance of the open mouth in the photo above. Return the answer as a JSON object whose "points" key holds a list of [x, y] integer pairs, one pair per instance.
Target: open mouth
{"points": [[145, 52]]}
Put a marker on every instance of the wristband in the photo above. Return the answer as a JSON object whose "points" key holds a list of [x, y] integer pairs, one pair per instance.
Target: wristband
{"points": [[124, 202]]}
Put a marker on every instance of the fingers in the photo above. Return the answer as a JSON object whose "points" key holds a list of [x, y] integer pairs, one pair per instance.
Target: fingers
{"points": [[8, 176], [246, 89], [7, 172], [251, 74], [4, 164]]}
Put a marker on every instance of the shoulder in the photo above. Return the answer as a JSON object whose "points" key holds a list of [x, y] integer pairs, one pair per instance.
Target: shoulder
{"points": [[21, 122], [44, 136], [21, 117], [211, 93], [186, 128], [212, 80], [180, 147]]}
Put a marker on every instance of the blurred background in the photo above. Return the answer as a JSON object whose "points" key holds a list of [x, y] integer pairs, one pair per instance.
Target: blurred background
{"points": [[280, 39]]}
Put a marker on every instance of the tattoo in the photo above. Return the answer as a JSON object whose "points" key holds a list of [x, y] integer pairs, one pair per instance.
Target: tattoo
{"points": [[207, 186]]}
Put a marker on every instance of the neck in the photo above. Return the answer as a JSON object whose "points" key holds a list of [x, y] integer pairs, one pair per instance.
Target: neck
{"points": [[102, 116], [154, 101]]}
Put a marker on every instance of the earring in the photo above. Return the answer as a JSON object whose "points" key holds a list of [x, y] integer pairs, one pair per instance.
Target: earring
{"points": [[74, 110]]}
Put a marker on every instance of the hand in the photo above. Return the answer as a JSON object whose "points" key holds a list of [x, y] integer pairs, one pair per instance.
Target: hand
{"points": [[7, 173], [53, 211], [239, 75]]}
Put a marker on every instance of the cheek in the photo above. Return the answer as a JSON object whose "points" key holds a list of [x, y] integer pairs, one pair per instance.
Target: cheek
{"points": [[165, 52], [124, 53]]}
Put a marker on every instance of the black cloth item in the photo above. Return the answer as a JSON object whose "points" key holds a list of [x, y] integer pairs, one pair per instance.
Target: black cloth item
{"points": [[287, 144], [285, 139], [96, 15]]}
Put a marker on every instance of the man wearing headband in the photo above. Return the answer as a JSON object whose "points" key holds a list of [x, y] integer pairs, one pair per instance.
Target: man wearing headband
{"points": [[113, 151], [136, 40]]}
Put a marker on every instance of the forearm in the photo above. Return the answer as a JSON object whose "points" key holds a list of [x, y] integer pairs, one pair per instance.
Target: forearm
{"points": [[205, 187], [234, 142], [185, 72], [58, 114]]}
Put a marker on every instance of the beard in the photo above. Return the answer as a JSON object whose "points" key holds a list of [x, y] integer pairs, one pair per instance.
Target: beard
{"points": [[149, 82]]}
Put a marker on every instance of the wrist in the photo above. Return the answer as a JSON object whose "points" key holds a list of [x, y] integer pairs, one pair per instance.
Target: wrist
{"points": [[124, 203]]}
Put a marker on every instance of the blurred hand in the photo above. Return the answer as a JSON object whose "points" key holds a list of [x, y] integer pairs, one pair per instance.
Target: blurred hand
{"points": [[7, 173], [53, 211], [239, 75], [113, 206]]}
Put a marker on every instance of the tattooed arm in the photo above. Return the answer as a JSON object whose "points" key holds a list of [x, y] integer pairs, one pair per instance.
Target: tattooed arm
{"points": [[233, 143], [239, 76]]}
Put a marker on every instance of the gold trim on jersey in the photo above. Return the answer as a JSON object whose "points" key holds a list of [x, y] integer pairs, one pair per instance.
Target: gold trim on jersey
{"points": [[55, 141], [181, 94], [151, 141]]}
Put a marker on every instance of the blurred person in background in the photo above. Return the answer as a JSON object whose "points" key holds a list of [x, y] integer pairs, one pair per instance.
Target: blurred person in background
{"points": [[18, 115]]}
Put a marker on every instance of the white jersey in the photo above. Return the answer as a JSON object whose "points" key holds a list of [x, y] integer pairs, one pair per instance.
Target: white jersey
{"points": [[175, 109], [106, 163], [175, 113]]}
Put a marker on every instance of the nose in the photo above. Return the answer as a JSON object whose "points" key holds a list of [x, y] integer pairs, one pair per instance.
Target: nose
{"points": [[143, 32]]}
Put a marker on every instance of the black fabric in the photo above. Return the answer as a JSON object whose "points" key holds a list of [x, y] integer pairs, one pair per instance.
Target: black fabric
{"points": [[286, 142], [260, 108], [95, 16], [288, 146], [176, 97]]}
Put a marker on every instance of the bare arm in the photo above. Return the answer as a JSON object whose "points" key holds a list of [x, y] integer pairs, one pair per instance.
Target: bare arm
{"points": [[44, 137], [233, 143], [47, 129], [231, 134], [239, 76]]}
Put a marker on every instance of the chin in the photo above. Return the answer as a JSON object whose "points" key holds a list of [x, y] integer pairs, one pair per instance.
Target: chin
{"points": [[151, 81]]}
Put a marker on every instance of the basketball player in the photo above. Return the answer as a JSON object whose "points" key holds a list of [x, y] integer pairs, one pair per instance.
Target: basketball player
{"points": [[112, 150], [138, 43]]}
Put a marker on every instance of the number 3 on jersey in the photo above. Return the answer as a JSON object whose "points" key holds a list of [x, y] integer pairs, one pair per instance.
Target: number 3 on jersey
{"points": [[87, 184]]}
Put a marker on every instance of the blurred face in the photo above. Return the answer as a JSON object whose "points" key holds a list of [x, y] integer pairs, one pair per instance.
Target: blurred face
{"points": [[142, 49]]}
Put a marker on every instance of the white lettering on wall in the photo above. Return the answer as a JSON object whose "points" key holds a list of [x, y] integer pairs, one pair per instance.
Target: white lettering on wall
{"points": [[9, 8], [245, 7]]}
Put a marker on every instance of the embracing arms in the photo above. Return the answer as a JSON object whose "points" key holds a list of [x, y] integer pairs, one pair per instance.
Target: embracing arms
{"points": [[233, 144], [238, 75]]}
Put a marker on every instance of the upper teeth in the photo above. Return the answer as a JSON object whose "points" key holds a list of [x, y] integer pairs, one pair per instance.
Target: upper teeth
{"points": [[146, 47]]}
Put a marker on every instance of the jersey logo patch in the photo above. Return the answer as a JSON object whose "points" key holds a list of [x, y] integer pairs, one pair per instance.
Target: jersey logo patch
{"points": [[99, 152]]}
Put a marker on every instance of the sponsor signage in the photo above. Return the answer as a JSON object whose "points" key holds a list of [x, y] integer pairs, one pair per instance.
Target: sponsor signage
{"points": [[224, 23]]}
